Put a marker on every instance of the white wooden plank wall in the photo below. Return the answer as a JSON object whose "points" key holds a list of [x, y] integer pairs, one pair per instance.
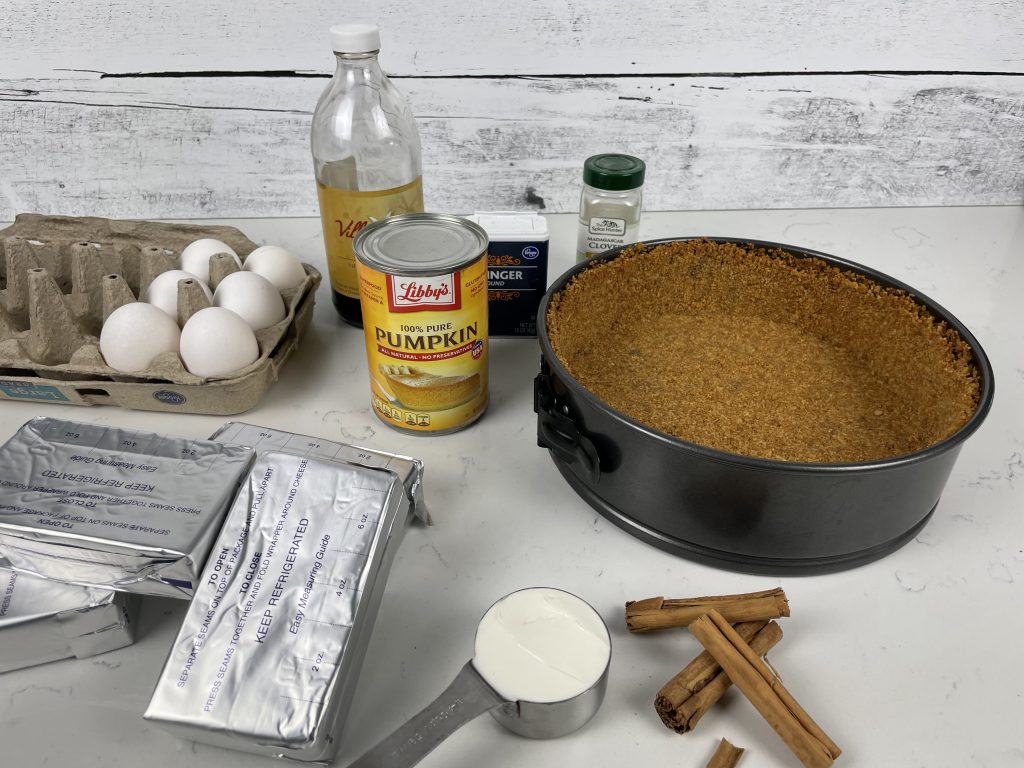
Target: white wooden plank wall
{"points": [[160, 109]]}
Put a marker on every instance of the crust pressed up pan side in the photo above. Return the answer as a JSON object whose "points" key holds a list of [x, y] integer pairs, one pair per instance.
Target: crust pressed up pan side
{"points": [[756, 352]]}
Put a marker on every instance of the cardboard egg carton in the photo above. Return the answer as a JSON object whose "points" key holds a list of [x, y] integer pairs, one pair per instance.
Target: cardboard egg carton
{"points": [[61, 277]]}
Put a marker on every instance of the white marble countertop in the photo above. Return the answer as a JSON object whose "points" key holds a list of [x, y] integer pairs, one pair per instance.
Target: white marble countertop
{"points": [[913, 660]]}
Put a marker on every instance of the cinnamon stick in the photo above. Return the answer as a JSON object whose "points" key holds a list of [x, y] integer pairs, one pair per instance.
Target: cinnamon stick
{"points": [[684, 699], [659, 613], [726, 756], [765, 691]]}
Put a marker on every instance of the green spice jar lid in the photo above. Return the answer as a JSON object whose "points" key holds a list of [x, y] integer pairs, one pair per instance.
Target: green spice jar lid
{"points": [[614, 172]]}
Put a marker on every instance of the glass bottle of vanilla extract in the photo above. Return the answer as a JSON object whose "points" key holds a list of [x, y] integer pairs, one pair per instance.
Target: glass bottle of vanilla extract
{"points": [[366, 155], [610, 203]]}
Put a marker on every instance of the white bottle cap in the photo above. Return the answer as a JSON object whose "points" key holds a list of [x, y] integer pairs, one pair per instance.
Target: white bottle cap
{"points": [[355, 38]]}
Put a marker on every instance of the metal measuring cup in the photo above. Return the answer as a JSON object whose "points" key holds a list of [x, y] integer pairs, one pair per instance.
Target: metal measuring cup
{"points": [[470, 695]]}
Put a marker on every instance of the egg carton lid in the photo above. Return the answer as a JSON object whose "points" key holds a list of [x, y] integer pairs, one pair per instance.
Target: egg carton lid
{"points": [[66, 230]]}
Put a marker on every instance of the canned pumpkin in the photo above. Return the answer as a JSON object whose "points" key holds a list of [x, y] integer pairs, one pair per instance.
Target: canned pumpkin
{"points": [[423, 294]]}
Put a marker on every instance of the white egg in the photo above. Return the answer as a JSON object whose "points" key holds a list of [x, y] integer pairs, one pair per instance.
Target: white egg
{"points": [[195, 257], [163, 291], [136, 333], [216, 342], [277, 265], [251, 297]]}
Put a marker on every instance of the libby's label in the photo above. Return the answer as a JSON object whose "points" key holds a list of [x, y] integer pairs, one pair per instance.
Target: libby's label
{"points": [[426, 345], [414, 294], [344, 213]]}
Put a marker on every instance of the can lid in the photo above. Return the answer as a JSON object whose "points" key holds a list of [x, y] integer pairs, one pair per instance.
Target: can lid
{"points": [[355, 38], [614, 172], [420, 244]]}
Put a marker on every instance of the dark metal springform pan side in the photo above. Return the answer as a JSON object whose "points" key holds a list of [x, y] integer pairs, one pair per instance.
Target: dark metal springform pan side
{"points": [[738, 512]]}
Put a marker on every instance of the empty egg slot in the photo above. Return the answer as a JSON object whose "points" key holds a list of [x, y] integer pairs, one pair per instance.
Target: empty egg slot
{"points": [[91, 392]]}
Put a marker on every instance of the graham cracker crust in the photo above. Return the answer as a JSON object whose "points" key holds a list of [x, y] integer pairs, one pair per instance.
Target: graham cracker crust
{"points": [[760, 353]]}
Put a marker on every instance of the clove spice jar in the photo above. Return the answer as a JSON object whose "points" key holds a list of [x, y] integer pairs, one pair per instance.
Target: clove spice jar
{"points": [[609, 204]]}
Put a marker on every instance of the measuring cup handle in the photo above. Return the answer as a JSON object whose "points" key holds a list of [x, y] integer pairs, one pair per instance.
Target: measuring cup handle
{"points": [[467, 697]]}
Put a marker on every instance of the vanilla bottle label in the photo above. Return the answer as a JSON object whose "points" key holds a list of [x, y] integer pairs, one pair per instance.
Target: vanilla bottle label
{"points": [[344, 213]]}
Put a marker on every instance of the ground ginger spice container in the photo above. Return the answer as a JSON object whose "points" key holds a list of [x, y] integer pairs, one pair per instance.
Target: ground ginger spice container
{"points": [[423, 293]]}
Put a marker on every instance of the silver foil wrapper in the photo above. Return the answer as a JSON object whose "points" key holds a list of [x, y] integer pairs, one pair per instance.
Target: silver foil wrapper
{"points": [[42, 620], [268, 655], [263, 439], [114, 508]]}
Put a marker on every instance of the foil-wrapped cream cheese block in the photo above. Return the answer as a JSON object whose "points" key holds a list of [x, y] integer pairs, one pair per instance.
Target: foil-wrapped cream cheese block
{"points": [[115, 508], [262, 439], [43, 620], [270, 649]]}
